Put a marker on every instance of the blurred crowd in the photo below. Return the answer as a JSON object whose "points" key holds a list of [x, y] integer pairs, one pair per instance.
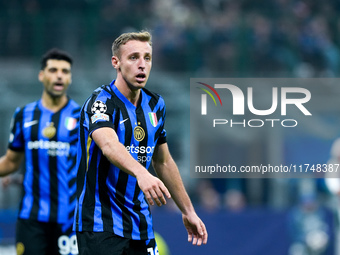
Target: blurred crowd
{"points": [[233, 37]]}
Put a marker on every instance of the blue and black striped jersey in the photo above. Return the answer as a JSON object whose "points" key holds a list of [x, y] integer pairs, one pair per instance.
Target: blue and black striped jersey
{"points": [[108, 198], [49, 141]]}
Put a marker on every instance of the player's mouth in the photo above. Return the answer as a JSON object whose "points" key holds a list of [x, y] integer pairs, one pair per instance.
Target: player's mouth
{"points": [[141, 77], [59, 86]]}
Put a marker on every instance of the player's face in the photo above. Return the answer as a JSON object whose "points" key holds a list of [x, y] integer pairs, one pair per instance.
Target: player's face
{"points": [[134, 63], [56, 77]]}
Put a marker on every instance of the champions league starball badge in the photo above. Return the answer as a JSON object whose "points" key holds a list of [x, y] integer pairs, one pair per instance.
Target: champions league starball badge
{"points": [[98, 107]]}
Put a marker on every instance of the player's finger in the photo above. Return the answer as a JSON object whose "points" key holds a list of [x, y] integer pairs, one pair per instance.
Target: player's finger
{"points": [[205, 234], [189, 236], [200, 229], [155, 197], [165, 190], [148, 198], [199, 240], [194, 241], [160, 197]]}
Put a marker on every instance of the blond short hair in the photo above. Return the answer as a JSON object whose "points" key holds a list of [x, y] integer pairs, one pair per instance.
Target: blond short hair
{"points": [[143, 36]]}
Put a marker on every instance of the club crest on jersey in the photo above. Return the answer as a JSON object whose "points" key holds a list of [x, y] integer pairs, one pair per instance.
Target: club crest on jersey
{"points": [[139, 133], [98, 107], [49, 131], [153, 119]]}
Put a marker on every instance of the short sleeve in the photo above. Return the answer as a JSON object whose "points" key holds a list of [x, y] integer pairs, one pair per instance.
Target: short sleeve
{"points": [[162, 133], [98, 114], [16, 139]]}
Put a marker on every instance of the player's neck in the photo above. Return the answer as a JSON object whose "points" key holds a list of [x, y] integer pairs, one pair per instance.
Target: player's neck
{"points": [[132, 95], [54, 104]]}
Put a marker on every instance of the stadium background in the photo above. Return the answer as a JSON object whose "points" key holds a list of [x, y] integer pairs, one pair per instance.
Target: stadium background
{"points": [[196, 38]]}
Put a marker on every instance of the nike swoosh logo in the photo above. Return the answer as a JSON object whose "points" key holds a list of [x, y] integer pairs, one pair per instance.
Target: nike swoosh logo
{"points": [[122, 121], [30, 123]]}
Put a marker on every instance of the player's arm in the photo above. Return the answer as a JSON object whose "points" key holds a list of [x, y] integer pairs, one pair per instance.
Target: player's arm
{"points": [[10, 162], [153, 188], [167, 171]]}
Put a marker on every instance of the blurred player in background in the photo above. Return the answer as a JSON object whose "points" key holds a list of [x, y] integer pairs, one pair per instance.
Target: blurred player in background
{"points": [[45, 133], [121, 134]]}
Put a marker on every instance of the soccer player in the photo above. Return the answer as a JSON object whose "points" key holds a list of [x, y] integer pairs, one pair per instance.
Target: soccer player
{"points": [[45, 133], [121, 134]]}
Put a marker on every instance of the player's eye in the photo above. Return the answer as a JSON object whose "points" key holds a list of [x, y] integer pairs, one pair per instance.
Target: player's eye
{"points": [[133, 57]]}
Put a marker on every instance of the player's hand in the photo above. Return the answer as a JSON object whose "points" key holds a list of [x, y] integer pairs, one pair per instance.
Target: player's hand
{"points": [[153, 189], [197, 232], [6, 181], [11, 179]]}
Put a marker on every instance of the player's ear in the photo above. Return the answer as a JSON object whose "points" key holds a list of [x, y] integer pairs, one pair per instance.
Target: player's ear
{"points": [[41, 75], [115, 62]]}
